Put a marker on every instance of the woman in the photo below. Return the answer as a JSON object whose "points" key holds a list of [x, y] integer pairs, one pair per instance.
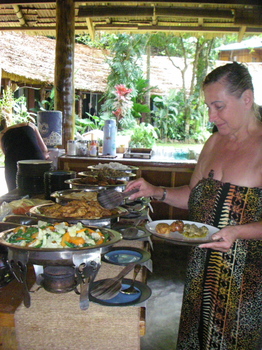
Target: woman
{"points": [[20, 142], [222, 301]]}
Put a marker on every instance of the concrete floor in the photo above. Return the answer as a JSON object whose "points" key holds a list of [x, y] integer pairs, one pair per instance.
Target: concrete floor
{"points": [[164, 305]]}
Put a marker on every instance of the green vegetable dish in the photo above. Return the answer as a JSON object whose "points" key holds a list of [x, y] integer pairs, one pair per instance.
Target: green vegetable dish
{"points": [[56, 235]]}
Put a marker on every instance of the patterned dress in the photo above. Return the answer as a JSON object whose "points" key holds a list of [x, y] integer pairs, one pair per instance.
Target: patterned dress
{"points": [[222, 304]]}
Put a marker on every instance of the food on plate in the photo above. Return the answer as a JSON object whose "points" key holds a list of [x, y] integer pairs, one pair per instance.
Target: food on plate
{"points": [[82, 195], [93, 180], [106, 172], [187, 230], [56, 235], [163, 229], [177, 226], [112, 165], [192, 231], [76, 209]]}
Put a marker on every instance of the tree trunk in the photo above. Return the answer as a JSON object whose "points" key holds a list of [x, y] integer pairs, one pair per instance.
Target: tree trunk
{"points": [[64, 66]]}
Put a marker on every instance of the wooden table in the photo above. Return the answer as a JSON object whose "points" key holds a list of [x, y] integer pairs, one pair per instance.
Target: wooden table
{"points": [[18, 322]]}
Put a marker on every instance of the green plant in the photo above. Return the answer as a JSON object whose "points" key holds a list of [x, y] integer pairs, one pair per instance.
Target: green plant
{"points": [[93, 122], [144, 136], [14, 110]]}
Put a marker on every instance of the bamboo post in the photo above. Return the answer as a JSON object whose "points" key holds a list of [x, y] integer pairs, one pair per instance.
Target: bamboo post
{"points": [[64, 66]]}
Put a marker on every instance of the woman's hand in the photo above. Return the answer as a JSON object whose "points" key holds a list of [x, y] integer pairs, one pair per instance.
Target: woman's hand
{"points": [[223, 239], [145, 189]]}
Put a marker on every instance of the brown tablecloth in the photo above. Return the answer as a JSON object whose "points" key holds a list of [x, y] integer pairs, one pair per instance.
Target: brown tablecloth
{"points": [[55, 321]]}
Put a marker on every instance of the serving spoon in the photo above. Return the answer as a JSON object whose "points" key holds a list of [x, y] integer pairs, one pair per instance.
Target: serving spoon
{"points": [[110, 287], [131, 289]]}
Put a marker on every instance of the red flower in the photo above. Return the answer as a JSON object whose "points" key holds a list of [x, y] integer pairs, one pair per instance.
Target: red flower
{"points": [[122, 90]]}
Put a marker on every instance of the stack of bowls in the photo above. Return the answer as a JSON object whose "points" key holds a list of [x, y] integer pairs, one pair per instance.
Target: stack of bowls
{"points": [[30, 176], [55, 181]]}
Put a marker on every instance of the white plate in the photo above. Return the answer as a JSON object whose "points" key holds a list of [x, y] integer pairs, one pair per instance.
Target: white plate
{"points": [[176, 237]]}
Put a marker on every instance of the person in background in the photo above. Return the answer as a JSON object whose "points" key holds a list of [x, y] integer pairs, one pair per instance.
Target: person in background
{"points": [[222, 302], [20, 142]]}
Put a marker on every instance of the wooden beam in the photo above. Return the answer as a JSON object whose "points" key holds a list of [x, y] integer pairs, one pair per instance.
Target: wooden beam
{"points": [[141, 11], [193, 12], [91, 29], [241, 33], [115, 11], [64, 66], [200, 2], [20, 15]]}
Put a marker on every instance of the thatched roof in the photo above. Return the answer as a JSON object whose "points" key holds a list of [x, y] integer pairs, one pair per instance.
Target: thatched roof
{"points": [[210, 18], [31, 60]]}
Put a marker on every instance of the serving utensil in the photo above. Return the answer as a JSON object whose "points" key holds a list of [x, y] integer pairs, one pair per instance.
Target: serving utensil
{"points": [[131, 289], [111, 198], [110, 287]]}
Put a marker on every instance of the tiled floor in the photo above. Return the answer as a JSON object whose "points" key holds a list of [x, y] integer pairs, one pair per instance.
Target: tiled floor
{"points": [[163, 307]]}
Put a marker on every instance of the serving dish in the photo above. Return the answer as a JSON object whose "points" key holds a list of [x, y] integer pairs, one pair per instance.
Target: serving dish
{"points": [[57, 256], [109, 173], [91, 182], [144, 292], [114, 165], [36, 212], [65, 196], [124, 256], [178, 238], [141, 233]]}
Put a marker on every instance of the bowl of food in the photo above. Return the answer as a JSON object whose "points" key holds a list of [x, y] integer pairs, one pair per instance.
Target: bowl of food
{"points": [[104, 174], [115, 166], [49, 243], [65, 196], [95, 183], [76, 211]]}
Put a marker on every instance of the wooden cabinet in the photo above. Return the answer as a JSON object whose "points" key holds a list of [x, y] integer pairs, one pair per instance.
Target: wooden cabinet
{"points": [[166, 173]]}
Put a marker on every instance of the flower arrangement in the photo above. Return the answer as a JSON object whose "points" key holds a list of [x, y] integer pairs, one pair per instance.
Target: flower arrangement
{"points": [[122, 105]]}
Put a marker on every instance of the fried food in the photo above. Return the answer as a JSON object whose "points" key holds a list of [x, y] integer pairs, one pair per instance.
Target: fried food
{"points": [[93, 180], [76, 209], [177, 226], [187, 230], [163, 228]]}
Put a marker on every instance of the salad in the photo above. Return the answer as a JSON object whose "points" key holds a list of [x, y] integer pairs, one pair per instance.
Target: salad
{"points": [[56, 235]]}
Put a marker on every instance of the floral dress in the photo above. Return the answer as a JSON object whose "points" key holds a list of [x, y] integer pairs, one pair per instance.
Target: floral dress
{"points": [[222, 306]]}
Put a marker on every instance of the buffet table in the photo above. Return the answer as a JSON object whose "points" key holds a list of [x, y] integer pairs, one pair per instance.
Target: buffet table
{"points": [[55, 321], [160, 172]]}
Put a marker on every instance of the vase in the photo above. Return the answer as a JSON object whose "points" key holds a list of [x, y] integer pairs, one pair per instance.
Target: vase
{"points": [[50, 127]]}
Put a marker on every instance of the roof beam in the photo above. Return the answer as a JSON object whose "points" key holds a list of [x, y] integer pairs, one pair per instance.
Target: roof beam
{"points": [[19, 15], [141, 11], [241, 33], [115, 11], [91, 29]]}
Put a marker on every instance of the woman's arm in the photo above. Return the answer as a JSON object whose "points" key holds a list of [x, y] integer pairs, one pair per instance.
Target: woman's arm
{"points": [[177, 196]]}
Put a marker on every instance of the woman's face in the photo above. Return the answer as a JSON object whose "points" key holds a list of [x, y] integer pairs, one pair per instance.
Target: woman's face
{"points": [[226, 111]]}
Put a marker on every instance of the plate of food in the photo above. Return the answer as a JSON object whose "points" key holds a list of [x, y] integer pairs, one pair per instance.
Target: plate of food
{"points": [[182, 232], [64, 196], [108, 173], [124, 256], [121, 299], [59, 235], [76, 210], [114, 165], [94, 182]]}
